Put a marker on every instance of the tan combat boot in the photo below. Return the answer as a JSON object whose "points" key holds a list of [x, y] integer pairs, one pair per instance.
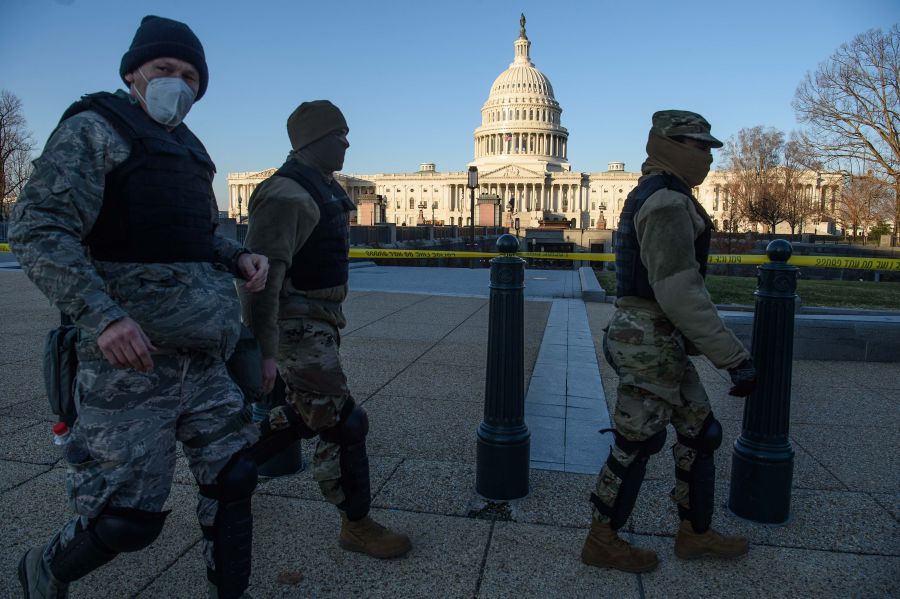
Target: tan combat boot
{"points": [[370, 537], [604, 549], [36, 578], [691, 545]]}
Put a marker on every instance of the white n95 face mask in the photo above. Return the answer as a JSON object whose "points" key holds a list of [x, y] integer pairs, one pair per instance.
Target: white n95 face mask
{"points": [[168, 100]]}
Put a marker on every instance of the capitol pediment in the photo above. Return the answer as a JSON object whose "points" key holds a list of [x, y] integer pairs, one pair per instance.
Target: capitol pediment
{"points": [[265, 174], [512, 170]]}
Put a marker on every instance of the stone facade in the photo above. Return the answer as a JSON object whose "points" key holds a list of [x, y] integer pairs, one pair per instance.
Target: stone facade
{"points": [[521, 153]]}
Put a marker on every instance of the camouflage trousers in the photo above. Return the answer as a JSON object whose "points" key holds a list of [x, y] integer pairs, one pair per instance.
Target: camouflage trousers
{"points": [[123, 443], [658, 385], [316, 388]]}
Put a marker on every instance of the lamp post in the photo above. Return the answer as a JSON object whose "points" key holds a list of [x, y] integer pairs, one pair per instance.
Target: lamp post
{"points": [[472, 183], [240, 209]]}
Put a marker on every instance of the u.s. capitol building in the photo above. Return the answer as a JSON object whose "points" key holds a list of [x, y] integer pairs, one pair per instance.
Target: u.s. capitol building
{"points": [[521, 152]]}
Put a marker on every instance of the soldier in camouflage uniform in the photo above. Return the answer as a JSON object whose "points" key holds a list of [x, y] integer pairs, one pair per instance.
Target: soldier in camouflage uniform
{"points": [[664, 314], [299, 218], [117, 227]]}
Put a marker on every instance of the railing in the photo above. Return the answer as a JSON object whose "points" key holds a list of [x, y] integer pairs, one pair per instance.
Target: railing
{"points": [[412, 233], [446, 232], [369, 235]]}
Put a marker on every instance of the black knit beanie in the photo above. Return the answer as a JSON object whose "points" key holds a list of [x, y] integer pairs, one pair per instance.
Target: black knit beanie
{"points": [[159, 37], [313, 120]]}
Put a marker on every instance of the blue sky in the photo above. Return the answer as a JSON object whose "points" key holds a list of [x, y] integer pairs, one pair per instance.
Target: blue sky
{"points": [[411, 77]]}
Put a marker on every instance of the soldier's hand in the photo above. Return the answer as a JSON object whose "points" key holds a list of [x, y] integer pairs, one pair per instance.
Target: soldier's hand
{"points": [[125, 345], [254, 268], [269, 372], [743, 378]]}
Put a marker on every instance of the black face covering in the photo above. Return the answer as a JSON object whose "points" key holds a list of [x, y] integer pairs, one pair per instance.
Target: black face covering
{"points": [[327, 153]]}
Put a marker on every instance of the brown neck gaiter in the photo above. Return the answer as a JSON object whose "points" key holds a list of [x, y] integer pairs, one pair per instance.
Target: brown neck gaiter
{"points": [[685, 162]]}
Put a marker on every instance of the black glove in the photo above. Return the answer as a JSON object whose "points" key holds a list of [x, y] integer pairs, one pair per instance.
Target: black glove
{"points": [[744, 378]]}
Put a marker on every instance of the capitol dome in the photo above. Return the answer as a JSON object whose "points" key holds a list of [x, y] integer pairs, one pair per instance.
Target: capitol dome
{"points": [[520, 121]]}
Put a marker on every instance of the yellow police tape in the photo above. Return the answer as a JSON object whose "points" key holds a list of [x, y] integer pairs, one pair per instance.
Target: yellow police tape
{"points": [[888, 264]]}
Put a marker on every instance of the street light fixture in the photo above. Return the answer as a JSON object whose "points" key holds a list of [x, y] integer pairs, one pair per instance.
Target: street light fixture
{"points": [[472, 183], [433, 206]]}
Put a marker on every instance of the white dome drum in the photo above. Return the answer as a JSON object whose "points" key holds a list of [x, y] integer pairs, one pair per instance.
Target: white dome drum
{"points": [[520, 121]]}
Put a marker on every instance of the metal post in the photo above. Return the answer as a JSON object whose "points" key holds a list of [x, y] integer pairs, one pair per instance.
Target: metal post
{"points": [[762, 462], [472, 194], [504, 442], [472, 184]]}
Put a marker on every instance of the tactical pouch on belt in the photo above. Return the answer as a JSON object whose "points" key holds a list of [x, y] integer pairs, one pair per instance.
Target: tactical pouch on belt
{"points": [[245, 365], [60, 369]]}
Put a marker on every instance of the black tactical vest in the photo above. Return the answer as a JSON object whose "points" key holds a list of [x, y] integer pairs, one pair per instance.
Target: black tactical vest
{"points": [[323, 260], [631, 275], [157, 205]]}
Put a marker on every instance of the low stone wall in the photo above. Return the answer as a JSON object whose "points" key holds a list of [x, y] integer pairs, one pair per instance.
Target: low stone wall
{"points": [[591, 291], [850, 337], [819, 333]]}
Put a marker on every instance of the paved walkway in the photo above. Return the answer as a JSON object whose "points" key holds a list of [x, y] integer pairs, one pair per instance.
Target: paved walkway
{"points": [[416, 361], [565, 405]]}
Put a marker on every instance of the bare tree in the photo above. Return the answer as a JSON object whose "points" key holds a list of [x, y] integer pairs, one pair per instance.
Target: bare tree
{"points": [[865, 202], [753, 159], [852, 105], [732, 217], [792, 183], [15, 150]]}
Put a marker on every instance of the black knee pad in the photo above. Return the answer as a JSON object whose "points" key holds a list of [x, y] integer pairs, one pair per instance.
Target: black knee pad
{"points": [[114, 531], [708, 439], [238, 479], [352, 427], [124, 530], [632, 476], [701, 478]]}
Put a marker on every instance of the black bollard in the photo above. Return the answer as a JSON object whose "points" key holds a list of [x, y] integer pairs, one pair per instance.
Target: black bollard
{"points": [[762, 463], [504, 443]]}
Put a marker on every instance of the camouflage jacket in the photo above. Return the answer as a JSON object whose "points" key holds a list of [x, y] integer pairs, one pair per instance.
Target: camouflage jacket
{"points": [[667, 225], [189, 305], [282, 217]]}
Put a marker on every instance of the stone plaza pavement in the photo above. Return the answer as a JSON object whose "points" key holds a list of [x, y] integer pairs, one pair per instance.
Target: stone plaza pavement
{"points": [[416, 362]]}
